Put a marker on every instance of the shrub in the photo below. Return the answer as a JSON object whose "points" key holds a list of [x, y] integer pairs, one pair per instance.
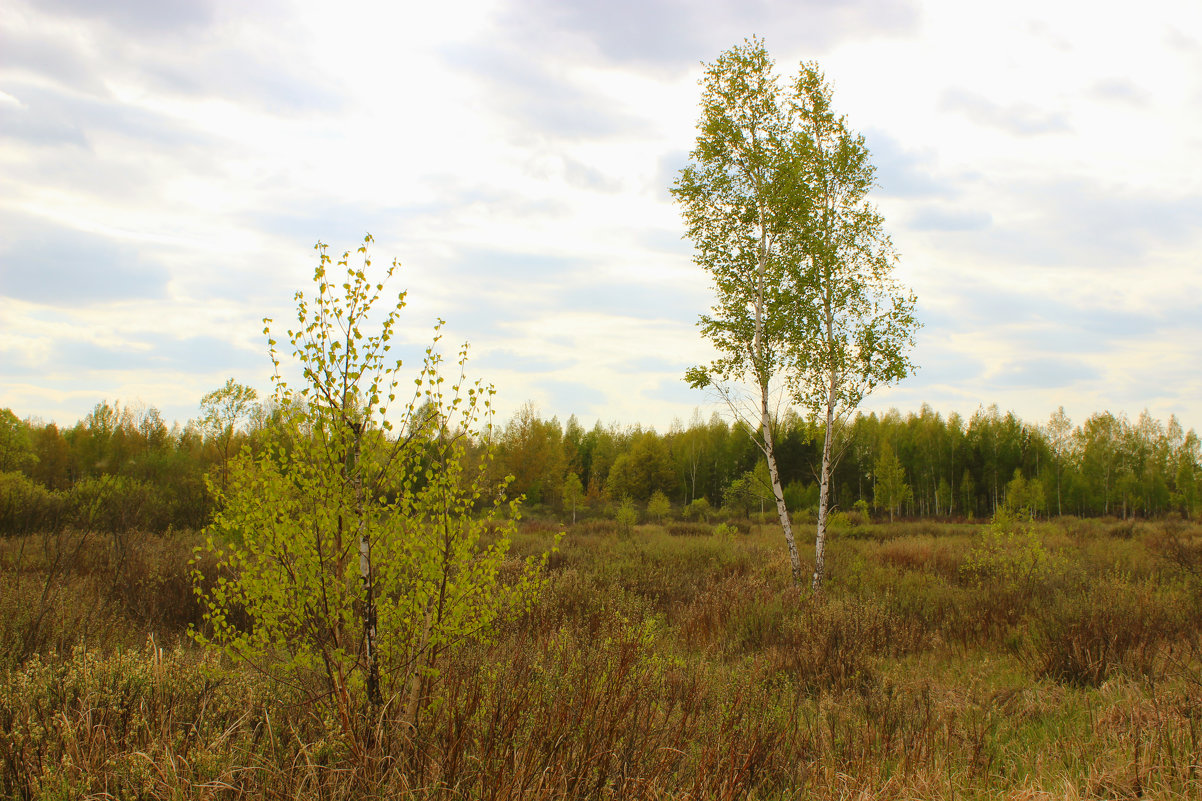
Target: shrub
{"points": [[699, 510], [26, 506], [659, 506], [1083, 637], [1011, 554], [626, 517]]}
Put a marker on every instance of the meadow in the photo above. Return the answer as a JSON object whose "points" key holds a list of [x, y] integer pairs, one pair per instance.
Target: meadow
{"points": [[1012, 659]]}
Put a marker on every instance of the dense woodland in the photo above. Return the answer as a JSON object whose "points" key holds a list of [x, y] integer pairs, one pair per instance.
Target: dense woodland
{"points": [[123, 467]]}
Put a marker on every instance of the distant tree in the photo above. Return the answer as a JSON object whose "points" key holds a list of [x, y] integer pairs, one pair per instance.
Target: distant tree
{"points": [[532, 451], [223, 410], [892, 491], [943, 497], [968, 494], [1024, 498], [627, 516], [658, 507], [699, 509], [573, 493], [642, 470], [16, 444], [53, 457], [1059, 431]]}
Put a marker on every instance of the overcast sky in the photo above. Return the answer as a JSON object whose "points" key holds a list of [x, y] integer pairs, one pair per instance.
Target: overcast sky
{"points": [[166, 167]]}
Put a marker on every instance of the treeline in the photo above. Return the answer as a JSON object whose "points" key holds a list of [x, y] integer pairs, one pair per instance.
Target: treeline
{"points": [[950, 466], [123, 467]]}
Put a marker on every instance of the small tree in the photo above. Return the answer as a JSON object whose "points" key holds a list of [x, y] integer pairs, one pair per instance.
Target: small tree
{"points": [[627, 517], [659, 506], [224, 408], [352, 541], [700, 510], [16, 444], [573, 492], [892, 491]]}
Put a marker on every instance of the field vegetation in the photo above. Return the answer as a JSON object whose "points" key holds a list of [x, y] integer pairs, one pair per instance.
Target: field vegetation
{"points": [[1056, 659]]}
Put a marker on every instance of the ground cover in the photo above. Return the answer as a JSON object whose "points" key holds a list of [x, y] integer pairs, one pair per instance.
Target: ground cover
{"points": [[1014, 660]]}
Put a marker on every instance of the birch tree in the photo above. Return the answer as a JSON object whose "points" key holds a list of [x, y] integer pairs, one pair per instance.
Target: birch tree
{"points": [[741, 204], [856, 323], [775, 201], [352, 542]]}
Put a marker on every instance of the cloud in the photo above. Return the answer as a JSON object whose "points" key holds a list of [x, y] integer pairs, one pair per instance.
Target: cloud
{"points": [[902, 172], [57, 266], [582, 176], [1044, 372], [49, 116], [155, 17], [1090, 223], [271, 79], [39, 127], [506, 359], [678, 33], [61, 59], [937, 218], [1034, 318], [1018, 119], [1120, 90], [528, 88]]}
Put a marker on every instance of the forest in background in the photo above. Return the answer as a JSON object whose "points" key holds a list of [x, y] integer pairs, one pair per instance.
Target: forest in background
{"points": [[122, 467]]}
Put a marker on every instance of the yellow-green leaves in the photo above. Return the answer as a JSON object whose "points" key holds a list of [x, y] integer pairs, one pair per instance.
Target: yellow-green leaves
{"points": [[349, 547]]}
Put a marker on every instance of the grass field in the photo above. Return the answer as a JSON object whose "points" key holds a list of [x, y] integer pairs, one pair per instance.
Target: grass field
{"points": [[1047, 660]]}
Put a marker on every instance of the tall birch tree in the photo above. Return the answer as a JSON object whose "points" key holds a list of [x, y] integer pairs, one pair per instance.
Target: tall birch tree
{"points": [[775, 201], [740, 202], [857, 322]]}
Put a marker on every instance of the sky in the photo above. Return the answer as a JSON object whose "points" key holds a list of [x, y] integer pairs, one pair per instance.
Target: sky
{"points": [[166, 168]]}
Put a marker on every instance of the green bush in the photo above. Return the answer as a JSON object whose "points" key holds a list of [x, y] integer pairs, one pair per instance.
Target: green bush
{"points": [[117, 504], [626, 517], [26, 506]]}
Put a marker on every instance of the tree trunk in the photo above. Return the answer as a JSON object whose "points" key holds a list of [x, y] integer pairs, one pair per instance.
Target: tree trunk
{"points": [[824, 487], [374, 696], [778, 493]]}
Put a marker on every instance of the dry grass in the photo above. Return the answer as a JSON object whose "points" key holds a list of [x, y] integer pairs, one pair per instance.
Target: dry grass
{"points": [[658, 667]]}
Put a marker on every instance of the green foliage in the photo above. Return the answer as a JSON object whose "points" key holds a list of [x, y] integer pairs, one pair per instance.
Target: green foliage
{"points": [[699, 510], [1011, 553], [659, 507], [26, 506], [573, 493], [354, 543], [223, 410], [775, 201], [725, 530], [743, 202], [892, 491], [1024, 499], [627, 517], [116, 504], [531, 451], [16, 445]]}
